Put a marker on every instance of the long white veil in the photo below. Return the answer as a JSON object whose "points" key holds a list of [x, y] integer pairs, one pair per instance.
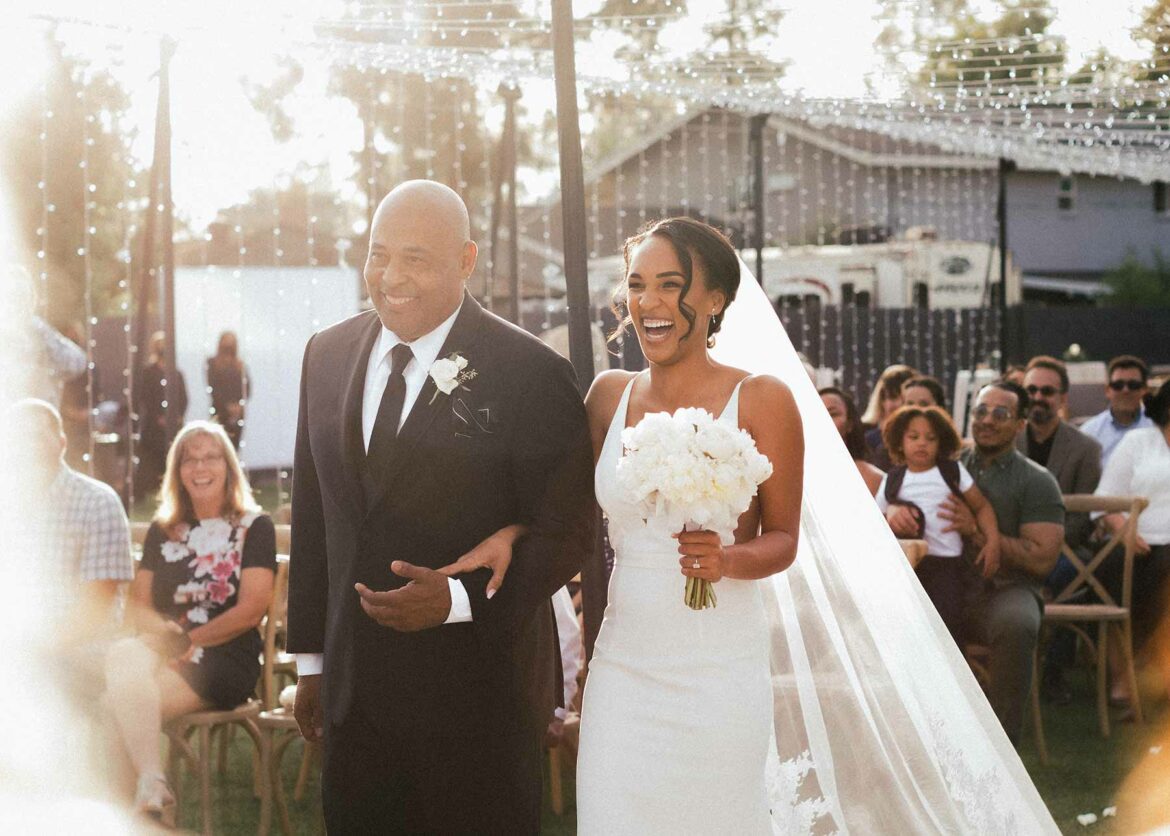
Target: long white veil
{"points": [[880, 726]]}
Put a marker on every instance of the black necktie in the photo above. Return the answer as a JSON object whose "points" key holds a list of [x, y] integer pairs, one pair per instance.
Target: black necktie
{"points": [[385, 432]]}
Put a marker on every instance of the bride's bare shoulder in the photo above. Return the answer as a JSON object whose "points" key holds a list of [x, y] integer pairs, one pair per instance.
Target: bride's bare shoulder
{"points": [[606, 392], [765, 395]]}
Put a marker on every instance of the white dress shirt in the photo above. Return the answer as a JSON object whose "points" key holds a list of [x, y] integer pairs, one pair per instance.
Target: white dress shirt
{"points": [[1108, 432], [426, 351]]}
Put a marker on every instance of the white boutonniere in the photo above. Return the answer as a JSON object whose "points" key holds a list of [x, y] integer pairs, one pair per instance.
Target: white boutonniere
{"points": [[449, 373]]}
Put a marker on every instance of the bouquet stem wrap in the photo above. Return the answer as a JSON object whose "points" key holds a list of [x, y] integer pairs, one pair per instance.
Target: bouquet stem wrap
{"points": [[699, 594]]}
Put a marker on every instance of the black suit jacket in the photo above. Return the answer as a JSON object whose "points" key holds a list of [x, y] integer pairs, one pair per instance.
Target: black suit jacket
{"points": [[512, 445]]}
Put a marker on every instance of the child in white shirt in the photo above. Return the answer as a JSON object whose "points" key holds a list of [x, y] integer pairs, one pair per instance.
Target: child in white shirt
{"points": [[923, 443]]}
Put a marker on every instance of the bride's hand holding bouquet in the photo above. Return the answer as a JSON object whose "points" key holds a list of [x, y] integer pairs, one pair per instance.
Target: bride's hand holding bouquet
{"points": [[702, 556]]}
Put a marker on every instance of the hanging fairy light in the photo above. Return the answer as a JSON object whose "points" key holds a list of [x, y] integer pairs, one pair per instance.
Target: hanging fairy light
{"points": [[705, 139], [665, 157], [458, 143], [43, 188], [428, 129], [620, 197], [725, 176], [485, 211], [640, 195], [89, 206], [595, 218]]}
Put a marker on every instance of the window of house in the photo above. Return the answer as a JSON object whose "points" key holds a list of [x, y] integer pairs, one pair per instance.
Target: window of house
{"points": [[1066, 194], [1161, 198]]}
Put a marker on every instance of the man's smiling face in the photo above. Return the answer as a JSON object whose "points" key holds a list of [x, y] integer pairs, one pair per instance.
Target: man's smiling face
{"points": [[420, 258]]}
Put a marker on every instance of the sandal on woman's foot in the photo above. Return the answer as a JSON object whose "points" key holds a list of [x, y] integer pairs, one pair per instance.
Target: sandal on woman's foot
{"points": [[155, 800]]}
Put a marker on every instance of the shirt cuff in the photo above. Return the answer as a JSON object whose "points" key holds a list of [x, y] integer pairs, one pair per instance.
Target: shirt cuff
{"points": [[460, 603], [310, 664]]}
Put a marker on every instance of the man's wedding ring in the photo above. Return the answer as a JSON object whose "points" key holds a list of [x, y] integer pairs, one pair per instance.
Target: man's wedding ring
{"points": [[695, 565]]}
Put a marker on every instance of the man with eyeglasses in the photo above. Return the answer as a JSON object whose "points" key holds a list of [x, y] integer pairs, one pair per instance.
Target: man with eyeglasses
{"points": [[1075, 460], [1007, 611], [1128, 385]]}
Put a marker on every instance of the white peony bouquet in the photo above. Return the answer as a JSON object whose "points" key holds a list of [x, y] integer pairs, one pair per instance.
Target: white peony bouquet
{"points": [[688, 471]]}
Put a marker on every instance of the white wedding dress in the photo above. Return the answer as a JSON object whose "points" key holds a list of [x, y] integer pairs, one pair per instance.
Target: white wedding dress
{"points": [[677, 713], [828, 698]]}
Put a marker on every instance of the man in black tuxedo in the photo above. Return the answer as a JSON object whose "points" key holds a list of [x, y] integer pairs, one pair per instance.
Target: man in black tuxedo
{"points": [[428, 427]]}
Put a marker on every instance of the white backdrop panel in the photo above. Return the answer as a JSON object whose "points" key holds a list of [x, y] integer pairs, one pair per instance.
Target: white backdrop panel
{"points": [[274, 311]]}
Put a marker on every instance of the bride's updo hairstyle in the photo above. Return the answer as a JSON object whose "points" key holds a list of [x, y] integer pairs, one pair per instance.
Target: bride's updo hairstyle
{"points": [[692, 241]]}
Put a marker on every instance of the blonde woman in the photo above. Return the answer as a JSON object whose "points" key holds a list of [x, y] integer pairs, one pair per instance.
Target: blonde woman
{"points": [[885, 398], [208, 566]]}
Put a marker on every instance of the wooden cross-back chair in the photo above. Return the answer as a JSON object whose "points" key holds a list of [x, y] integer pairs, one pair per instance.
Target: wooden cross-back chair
{"points": [[1085, 601]]}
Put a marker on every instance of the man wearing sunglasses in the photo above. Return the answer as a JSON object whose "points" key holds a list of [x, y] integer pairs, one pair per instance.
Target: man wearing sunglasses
{"points": [[1075, 460], [1127, 388]]}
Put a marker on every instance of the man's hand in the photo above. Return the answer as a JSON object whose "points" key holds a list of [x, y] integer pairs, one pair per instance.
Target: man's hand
{"points": [[422, 603], [902, 521], [307, 709], [960, 519]]}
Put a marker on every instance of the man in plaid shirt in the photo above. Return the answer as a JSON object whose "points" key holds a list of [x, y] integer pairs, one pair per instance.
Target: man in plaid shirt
{"points": [[77, 533]]}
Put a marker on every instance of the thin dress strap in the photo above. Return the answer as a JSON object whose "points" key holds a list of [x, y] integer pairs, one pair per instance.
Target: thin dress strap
{"points": [[731, 410], [618, 422]]}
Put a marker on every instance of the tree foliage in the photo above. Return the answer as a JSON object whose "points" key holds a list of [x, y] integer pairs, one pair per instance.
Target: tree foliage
{"points": [[1140, 285], [87, 106], [1154, 29], [976, 55]]}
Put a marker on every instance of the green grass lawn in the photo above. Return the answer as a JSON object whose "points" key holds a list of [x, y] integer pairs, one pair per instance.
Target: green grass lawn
{"points": [[1086, 774]]}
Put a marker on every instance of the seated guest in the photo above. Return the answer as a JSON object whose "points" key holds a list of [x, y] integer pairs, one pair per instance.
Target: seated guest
{"points": [[1071, 456], [924, 391], [883, 400], [208, 567], [1075, 460], [1128, 379], [1030, 514], [77, 532], [1140, 466], [924, 444], [844, 414]]}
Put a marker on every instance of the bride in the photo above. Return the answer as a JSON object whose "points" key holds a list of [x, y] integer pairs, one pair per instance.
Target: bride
{"points": [[677, 712], [826, 696], [872, 721]]}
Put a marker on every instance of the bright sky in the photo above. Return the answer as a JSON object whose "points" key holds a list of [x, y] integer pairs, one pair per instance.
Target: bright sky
{"points": [[223, 148]]}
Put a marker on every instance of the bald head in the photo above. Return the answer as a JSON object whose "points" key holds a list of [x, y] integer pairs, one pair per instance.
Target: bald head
{"points": [[439, 203], [421, 255]]}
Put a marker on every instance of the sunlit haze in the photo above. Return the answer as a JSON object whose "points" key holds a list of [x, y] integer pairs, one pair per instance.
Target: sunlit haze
{"points": [[223, 147]]}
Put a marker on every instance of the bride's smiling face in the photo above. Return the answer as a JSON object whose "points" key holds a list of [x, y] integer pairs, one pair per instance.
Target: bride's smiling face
{"points": [[658, 298]]}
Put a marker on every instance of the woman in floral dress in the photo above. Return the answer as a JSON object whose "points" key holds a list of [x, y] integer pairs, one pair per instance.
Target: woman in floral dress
{"points": [[205, 583]]}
